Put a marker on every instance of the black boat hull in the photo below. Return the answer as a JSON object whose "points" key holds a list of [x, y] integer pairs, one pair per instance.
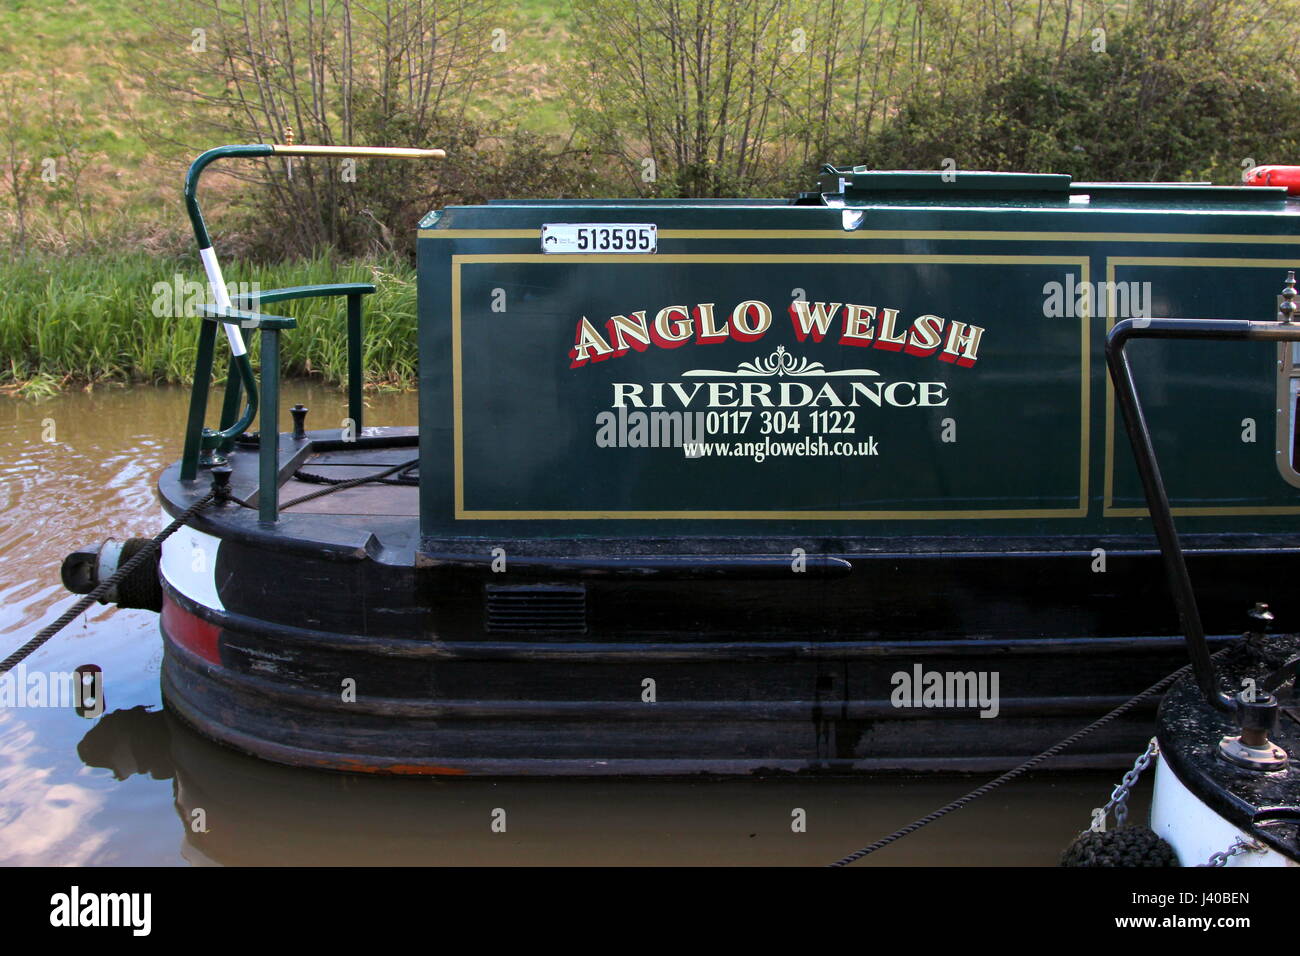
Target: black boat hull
{"points": [[516, 707], [348, 642]]}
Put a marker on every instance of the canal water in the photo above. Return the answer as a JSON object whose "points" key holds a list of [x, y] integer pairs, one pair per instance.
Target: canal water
{"points": [[135, 787]]}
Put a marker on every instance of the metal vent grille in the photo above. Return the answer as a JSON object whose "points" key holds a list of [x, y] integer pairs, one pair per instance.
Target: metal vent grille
{"points": [[536, 608]]}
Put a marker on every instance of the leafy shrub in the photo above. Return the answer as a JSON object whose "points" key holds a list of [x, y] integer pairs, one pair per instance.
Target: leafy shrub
{"points": [[1137, 112]]}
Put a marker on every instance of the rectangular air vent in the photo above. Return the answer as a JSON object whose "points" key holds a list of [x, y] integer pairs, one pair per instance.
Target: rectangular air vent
{"points": [[535, 608]]}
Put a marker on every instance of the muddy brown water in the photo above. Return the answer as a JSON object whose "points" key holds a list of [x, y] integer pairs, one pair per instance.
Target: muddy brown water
{"points": [[135, 787]]}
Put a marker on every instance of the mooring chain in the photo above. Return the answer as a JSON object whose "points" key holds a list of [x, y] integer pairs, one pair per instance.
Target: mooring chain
{"points": [[1118, 801], [104, 587], [1025, 767], [1239, 846]]}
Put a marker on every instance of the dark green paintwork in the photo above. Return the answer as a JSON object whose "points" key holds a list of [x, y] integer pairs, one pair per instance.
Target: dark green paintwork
{"points": [[356, 371], [529, 419], [354, 291], [206, 446], [240, 377], [311, 292], [860, 179], [247, 319], [224, 439], [198, 401], [200, 440], [234, 389], [268, 465], [245, 314], [196, 171]]}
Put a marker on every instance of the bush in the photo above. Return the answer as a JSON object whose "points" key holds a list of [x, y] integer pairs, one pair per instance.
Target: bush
{"points": [[1138, 112], [377, 216]]}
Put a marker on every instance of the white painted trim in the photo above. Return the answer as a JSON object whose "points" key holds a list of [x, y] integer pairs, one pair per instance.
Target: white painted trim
{"points": [[213, 268], [1194, 830], [189, 564]]}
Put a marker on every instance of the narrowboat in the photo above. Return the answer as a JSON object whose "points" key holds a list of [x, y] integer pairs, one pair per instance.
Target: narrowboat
{"points": [[832, 482]]}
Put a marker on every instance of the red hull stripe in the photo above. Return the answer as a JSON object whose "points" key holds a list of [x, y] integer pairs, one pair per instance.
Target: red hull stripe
{"points": [[191, 632]]}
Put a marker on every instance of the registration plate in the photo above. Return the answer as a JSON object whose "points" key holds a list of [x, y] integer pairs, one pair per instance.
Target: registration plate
{"points": [[585, 238]]}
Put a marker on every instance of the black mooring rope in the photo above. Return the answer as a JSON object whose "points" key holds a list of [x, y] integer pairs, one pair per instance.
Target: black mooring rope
{"points": [[349, 483], [404, 476], [339, 484], [1010, 775], [70, 615]]}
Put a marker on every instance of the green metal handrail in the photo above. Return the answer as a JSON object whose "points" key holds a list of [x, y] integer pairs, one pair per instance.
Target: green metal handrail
{"points": [[354, 291], [206, 446]]}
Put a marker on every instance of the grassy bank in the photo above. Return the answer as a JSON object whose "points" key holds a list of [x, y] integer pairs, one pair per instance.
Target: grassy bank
{"points": [[73, 79], [69, 321]]}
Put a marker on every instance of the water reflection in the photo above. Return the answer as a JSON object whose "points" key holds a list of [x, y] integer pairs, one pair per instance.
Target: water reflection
{"points": [[41, 814], [235, 810]]}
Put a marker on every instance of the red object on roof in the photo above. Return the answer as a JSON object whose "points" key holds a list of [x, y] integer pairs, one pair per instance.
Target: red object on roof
{"points": [[1288, 176]]}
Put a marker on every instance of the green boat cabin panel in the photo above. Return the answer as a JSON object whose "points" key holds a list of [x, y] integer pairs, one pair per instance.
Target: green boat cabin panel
{"points": [[900, 362]]}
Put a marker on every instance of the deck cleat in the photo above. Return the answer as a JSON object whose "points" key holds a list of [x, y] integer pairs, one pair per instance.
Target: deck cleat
{"points": [[1252, 748]]}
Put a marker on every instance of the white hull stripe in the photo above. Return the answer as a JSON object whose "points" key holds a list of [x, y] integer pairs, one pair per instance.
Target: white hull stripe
{"points": [[1194, 830], [189, 564]]}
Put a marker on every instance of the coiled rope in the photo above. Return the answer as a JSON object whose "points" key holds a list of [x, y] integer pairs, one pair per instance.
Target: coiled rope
{"points": [[1025, 767], [70, 615]]}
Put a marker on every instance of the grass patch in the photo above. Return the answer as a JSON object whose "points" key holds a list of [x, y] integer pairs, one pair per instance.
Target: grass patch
{"points": [[78, 60], [92, 320]]}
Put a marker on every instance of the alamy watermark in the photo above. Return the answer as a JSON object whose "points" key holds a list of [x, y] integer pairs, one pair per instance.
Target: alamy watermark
{"points": [[82, 689], [180, 298], [129, 910], [1121, 300], [955, 689], [638, 429]]}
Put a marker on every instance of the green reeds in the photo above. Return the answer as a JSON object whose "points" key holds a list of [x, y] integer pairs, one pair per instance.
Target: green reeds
{"points": [[95, 320]]}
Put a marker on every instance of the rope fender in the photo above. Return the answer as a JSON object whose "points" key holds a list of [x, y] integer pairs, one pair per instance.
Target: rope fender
{"points": [[144, 553]]}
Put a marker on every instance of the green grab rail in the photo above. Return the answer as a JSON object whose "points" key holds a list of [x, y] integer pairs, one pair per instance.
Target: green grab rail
{"points": [[308, 291], [246, 319], [353, 291], [206, 446], [203, 445]]}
